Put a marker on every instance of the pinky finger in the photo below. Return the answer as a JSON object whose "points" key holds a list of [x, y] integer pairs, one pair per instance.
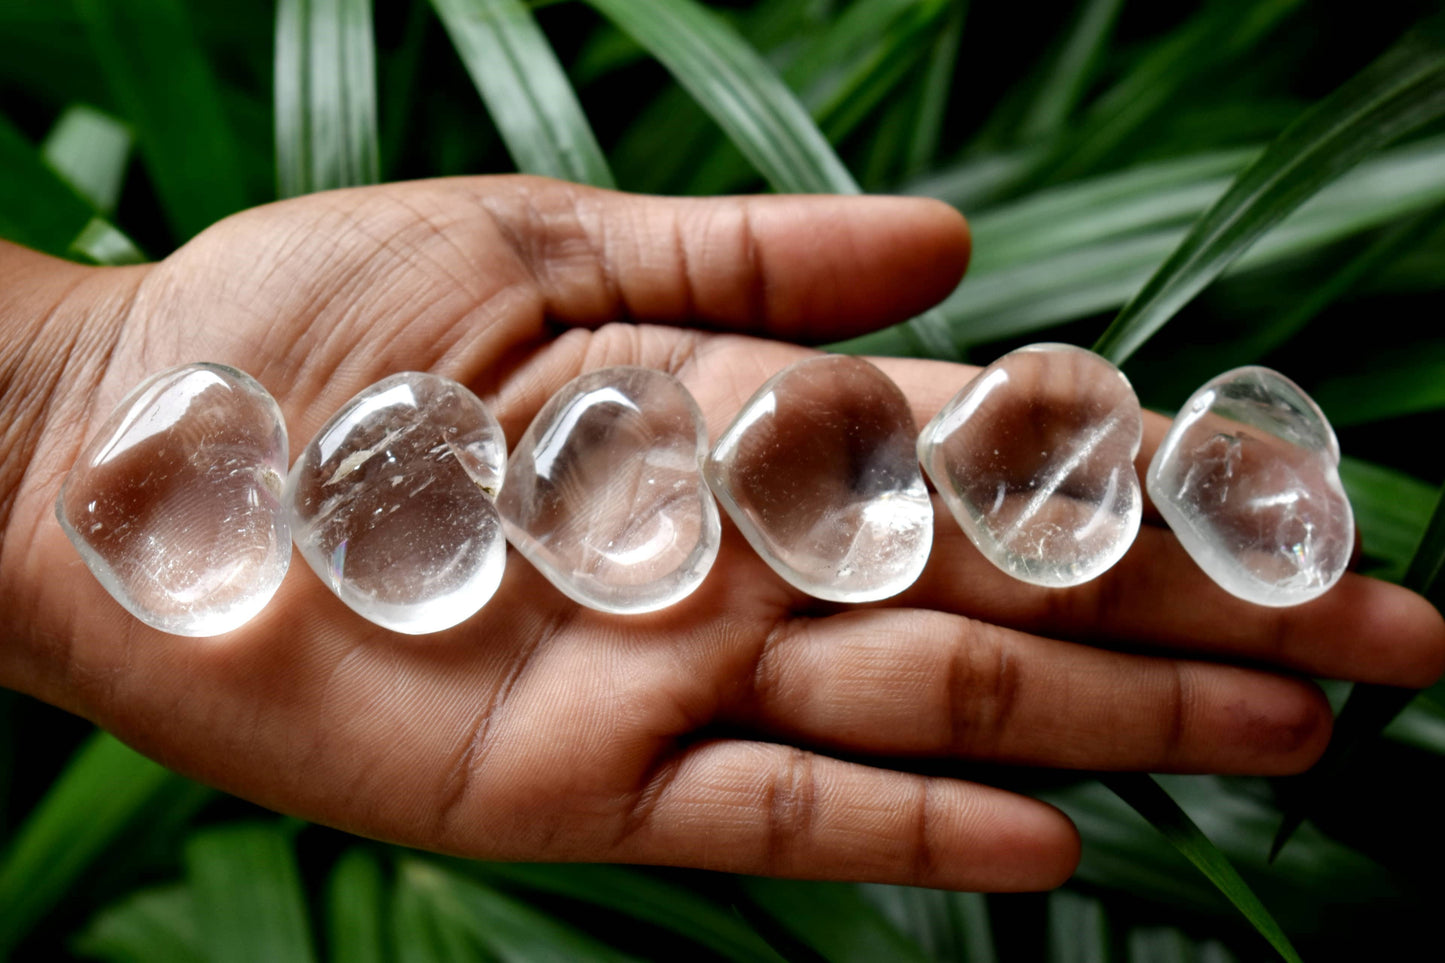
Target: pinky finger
{"points": [[773, 810]]}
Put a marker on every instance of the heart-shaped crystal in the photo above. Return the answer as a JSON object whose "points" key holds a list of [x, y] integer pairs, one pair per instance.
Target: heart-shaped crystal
{"points": [[604, 493], [391, 503], [818, 471], [1248, 478], [175, 505], [1035, 458]]}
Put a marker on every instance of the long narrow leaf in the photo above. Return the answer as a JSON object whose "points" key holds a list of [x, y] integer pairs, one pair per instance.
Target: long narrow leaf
{"points": [[736, 86], [151, 925], [90, 149], [1031, 284], [1369, 708], [1402, 90], [355, 908], [933, 99], [947, 926], [325, 84], [1078, 929], [1391, 510], [526, 91], [37, 208], [1389, 383], [1071, 69], [101, 794], [832, 919], [1218, 34], [248, 896], [168, 93], [423, 933], [1150, 800], [639, 895], [505, 929], [843, 74]]}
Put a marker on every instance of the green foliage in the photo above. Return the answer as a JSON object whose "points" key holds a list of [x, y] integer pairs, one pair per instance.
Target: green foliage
{"points": [[1402, 90], [1272, 180], [526, 91], [325, 96]]}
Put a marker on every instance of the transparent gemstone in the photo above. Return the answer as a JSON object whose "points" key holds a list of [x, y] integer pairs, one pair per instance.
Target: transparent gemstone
{"points": [[175, 505], [604, 493], [1248, 478], [1035, 458], [818, 471], [391, 503]]}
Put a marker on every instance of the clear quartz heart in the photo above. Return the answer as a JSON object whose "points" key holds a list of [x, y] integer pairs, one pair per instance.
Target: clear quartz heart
{"points": [[818, 471], [391, 504], [604, 493], [175, 505], [1248, 478], [1035, 458]]}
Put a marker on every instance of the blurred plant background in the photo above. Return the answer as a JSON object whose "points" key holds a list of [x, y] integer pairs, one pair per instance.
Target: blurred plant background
{"points": [[1093, 144]]}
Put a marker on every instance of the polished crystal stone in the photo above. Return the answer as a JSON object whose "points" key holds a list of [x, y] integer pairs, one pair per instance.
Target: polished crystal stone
{"points": [[604, 493], [1248, 478], [818, 471], [175, 505], [1035, 458], [391, 503]]}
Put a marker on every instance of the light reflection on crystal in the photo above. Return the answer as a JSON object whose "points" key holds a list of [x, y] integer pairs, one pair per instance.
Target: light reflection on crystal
{"points": [[175, 505], [391, 503], [1248, 479], [1035, 459], [818, 471], [604, 494]]}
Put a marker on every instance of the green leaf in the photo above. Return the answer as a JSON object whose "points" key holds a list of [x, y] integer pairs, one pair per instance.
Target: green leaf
{"points": [[1215, 37], [105, 790], [736, 86], [843, 74], [1369, 708], [505, 929], [1123, 853], [355, 908], [932, 107], [421, 933], [1159, 944], [248, 896], [150, 926], [325, 84], [1078, 929], [947, 926], [102, 242], [1397, 380], [1120, 204], [90, 150], [167, 92], [639, 895], [1105, 258], [1071, 70], [1393, 243], [1420, 724], [1402, 90], [1391, 510], [37, 208], [832, 919], [1150, 800], [525, 89], [882, 39]]}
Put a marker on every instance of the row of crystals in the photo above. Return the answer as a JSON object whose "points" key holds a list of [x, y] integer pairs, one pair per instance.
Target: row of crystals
{"points": [[403, 503]]}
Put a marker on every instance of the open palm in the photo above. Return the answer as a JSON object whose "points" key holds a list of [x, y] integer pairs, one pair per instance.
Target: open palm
{"points": [[747, 728]]}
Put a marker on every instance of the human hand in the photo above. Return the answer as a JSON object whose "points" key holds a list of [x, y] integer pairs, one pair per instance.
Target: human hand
{"points": [[747, 728]]}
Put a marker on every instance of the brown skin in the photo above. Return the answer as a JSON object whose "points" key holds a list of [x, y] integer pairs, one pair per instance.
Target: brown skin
{"points": [[703, 735]]}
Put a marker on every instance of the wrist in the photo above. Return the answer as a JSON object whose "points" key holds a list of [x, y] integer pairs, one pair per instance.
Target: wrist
{"points": [[62, 322]]}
